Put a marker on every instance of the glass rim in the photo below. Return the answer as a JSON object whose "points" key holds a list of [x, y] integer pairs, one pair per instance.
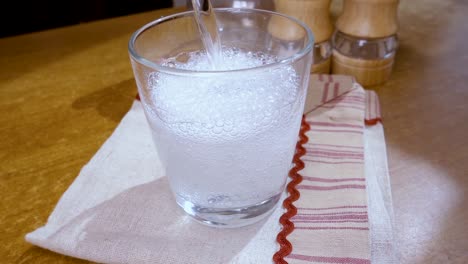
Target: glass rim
{"points": [[289, 60]]}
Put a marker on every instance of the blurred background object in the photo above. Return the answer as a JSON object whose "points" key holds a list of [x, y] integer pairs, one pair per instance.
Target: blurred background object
{"points": [[20, 17], [315, 13], [256, 4], [363, 45], [365, 42]]}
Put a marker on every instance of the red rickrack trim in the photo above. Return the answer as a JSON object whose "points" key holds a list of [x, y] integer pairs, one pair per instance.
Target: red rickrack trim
{"points": [[288, 226], [374, 121]]}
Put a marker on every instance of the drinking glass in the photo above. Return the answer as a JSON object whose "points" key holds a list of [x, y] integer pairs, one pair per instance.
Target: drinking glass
{"points": [[227, 135]]}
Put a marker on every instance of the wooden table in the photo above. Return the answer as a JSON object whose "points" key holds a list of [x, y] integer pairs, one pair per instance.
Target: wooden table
{"points": [[62, 92]]}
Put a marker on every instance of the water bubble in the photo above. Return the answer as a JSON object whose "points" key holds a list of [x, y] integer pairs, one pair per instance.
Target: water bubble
{"points": [[219, 123], [249, 102], [217, 130]]}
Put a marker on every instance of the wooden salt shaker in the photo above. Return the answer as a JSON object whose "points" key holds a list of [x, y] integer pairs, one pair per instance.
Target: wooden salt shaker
{"points": [[365, 42], [314, 13]]}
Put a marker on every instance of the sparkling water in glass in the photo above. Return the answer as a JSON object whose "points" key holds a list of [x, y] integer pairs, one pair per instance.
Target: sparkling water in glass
{"points": [[226, 135]]}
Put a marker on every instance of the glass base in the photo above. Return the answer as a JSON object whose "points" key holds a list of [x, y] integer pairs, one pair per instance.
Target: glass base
{"points": [[229, 217]]}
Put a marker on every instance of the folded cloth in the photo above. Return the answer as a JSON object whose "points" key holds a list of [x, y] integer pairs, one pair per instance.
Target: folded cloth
{"points": [[120, 209], [334, 223]]}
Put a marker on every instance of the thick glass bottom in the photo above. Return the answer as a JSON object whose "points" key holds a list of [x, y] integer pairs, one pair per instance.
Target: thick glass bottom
{"points": [[230, 217]]}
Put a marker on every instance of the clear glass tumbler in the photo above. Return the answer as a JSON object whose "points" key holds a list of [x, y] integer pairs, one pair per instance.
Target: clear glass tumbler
{"points": [[227, 135]]}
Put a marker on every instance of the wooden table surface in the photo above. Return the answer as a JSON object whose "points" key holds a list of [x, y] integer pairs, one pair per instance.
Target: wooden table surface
{"points": [[63, 91]]}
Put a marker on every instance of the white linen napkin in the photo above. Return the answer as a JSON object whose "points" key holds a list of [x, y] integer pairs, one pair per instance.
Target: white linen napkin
{"points": [[120, 209]]}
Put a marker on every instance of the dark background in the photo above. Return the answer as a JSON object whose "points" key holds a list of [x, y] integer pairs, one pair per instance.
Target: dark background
{"points": [[20, 17]]}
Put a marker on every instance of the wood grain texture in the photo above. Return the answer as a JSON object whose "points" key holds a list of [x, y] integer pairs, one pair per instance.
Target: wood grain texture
{"points": [[367, 72], [315, 13], [366, 19], [62, 93], [369, 18]]}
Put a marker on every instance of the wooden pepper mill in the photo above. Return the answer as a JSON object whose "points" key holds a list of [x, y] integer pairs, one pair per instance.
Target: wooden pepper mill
{"points": [[314, 13], [365, 42]]}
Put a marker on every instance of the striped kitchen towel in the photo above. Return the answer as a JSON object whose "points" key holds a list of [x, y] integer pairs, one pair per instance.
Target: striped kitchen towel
{"points": [[120, 209], [331, 224]]}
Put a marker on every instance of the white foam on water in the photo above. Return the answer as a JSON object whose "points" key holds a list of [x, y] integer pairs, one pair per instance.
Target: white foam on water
{"points": [[232, 59], [227, 105]]}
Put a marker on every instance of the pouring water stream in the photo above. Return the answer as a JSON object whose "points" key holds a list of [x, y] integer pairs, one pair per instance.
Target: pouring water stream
{"points": [[208, 28]]}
